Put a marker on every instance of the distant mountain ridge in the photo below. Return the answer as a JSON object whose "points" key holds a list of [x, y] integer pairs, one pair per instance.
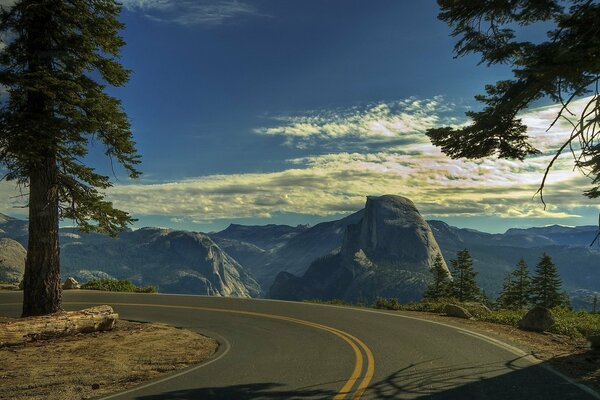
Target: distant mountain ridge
{"points": [[255, 255]]}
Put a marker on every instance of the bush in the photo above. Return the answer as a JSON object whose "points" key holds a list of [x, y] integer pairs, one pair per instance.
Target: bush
{"points": [[575, 324], [115, 285]]}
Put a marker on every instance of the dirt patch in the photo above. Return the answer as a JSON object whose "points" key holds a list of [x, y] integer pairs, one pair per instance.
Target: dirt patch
{"points": [[572, 357], [90, 365]]}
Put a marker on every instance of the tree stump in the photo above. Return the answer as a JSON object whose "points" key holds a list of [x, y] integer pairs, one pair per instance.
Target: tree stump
{"points": [[18, 331]]}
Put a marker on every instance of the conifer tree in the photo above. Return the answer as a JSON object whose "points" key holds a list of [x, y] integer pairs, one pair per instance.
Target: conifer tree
{"points": [[520, 293], [515, 293], [440, 287], [562, 67], [546, 284], [58, 57], [464, 287], [504, 300]]}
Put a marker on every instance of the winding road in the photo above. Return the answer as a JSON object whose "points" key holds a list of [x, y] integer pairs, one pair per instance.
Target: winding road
{"points": [[286, 350]]}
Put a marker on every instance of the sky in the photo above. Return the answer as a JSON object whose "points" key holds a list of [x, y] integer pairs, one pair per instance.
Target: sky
{"points": [[292, 112]]}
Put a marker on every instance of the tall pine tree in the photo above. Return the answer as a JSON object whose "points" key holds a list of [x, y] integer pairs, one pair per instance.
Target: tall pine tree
{"points": [[464, 287], [546, 284], [440, 287], [59, 56], [515, 293], [520, 293], [504, 300]]}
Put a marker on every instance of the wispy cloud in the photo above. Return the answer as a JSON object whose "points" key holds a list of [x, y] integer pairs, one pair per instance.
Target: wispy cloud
{"points": [[207, 13], [405, 120]]}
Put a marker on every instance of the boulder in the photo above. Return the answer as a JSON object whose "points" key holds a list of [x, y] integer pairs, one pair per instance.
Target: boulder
{"points": [[538, 319], [71, 283], [452, 310], [478, 309], [594, 341]]}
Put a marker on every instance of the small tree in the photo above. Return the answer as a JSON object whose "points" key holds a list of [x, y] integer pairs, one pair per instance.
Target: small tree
{"points": [[546, 284], [504, 300], [520, 293], [464, 287], [440, 287]]}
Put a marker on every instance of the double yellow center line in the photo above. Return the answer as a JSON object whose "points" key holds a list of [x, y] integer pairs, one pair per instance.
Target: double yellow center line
{"points": [[356, 344]]}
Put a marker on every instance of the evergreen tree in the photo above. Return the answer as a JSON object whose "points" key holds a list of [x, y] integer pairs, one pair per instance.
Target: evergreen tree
{"points": [[504, 300], [463, 286], [546, 284], [520, 294], [516, 289], [561, 67], [58, 58], [440, 287]]}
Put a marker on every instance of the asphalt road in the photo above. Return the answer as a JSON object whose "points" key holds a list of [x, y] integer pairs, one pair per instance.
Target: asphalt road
{"points": [[284, 350]]}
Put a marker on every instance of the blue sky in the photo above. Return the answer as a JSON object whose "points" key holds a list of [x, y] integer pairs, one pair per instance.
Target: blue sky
{"points": [[278, 111]]}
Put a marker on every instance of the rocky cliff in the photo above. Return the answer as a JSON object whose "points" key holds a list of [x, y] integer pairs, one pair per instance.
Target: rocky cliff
{"points": [[12, 261], [175, 261], [389, 252]]}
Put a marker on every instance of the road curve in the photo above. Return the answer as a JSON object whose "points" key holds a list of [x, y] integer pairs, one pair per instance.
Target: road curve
{"points": [[284, 350]]}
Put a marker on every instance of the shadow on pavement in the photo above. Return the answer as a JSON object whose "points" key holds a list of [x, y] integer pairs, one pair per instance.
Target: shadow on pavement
{"points": [[483, 381], [244, 392], [514, 380]]}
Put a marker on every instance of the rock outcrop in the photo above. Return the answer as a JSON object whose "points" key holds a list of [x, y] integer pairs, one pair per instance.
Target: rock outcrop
{"points": [[12, 261], [452, 310], [388, 253], [538, 319], [71, 284]]}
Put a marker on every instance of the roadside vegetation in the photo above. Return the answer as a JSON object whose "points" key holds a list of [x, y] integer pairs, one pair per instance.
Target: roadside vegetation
{"points": [[575, 324], [116, 285], [520, 293]]}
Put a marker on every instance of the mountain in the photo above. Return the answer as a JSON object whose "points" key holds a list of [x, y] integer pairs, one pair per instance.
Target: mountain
{"points": [[175, 261], [13, 228], [302, 246], [388, 253], [12, 261]]}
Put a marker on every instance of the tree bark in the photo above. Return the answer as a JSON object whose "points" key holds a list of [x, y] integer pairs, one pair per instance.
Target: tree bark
{"points": [[18, 331], [42, 293]]}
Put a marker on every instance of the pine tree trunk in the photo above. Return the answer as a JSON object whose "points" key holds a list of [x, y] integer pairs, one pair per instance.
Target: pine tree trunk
{"points": [[41, 284]]}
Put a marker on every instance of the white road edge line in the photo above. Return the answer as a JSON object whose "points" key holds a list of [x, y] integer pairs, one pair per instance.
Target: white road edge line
{"points": [[222, 341]]}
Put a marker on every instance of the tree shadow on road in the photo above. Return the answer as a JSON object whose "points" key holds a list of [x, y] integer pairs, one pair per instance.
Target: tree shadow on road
{"points": [[483, 381], [515, 379], [245, 392]]}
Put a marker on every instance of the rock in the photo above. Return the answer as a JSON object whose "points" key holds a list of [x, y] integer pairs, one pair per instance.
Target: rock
{"points": [[388, 253], [594, 341], [71, 283], [538, 319], [12, 260], [452, 310], [95, 386], [478, 309]]}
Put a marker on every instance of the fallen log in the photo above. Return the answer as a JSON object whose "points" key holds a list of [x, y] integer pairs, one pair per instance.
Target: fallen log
{"points": [[21, 330]]}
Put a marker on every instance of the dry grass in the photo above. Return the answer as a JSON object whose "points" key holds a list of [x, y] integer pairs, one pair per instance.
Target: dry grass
{"points": [[84, 366]]}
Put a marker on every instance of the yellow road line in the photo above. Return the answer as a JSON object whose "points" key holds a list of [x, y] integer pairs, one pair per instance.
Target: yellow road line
{"points": [[348, 338]]}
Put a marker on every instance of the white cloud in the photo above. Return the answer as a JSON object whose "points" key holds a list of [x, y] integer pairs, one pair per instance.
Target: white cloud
{"points": [[383, 122], [193, 12]]}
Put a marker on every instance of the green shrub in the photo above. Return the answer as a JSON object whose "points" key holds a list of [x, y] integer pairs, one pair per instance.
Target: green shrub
{"points": [[503, 316], [576, 324], [115, 285]]}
